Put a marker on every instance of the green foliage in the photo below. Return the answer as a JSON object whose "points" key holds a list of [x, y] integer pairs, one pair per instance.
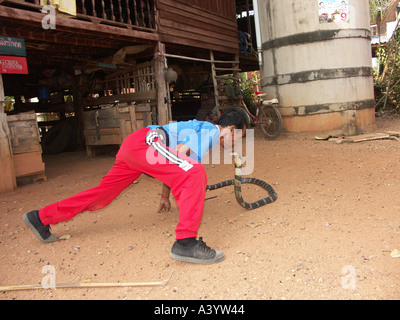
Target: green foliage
{"points": [[387, 75], [248, 88], [377, 8], [387, 78]]}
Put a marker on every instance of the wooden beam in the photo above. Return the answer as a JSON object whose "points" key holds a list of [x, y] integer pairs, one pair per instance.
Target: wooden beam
{"points": [[199, 60], [75, 43], [75, 26], [137, 96]]}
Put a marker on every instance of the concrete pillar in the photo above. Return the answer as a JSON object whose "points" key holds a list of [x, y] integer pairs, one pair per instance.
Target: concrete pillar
{"points": [[321, 72]]}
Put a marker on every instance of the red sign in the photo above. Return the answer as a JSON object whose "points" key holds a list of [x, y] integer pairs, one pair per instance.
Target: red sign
{"points": [[15, 65]]}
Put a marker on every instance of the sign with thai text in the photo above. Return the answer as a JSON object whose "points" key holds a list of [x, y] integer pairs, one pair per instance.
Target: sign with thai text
{"points": [[13, 65], [12, 46]]}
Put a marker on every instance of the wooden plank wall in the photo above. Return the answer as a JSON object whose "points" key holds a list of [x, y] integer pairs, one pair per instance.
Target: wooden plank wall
{"points": [[223, 8], [206, 24]]}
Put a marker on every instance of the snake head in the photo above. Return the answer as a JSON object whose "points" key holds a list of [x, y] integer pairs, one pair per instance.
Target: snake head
{"points": [[237, 159]]}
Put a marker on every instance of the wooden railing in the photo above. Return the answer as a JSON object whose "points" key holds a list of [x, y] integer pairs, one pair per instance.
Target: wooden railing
{"points": [[138, 14], [133, 85]]}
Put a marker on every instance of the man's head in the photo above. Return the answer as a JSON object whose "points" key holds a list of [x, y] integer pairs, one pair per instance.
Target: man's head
{"points": [[231, 117], [229, 121]]}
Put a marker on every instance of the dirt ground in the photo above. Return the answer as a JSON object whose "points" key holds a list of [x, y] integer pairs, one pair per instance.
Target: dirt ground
{"points": [[329, 235]]}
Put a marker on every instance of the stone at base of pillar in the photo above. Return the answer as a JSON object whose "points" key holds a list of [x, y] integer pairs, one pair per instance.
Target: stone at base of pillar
{"points": [[350, 122]]}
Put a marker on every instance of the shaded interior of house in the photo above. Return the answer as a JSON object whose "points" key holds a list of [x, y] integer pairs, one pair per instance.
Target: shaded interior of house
{"points": [[98, 70]]}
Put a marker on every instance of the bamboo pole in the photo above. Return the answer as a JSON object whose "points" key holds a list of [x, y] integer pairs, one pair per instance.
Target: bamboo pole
{"points": [[86, 285], [199, 60]]}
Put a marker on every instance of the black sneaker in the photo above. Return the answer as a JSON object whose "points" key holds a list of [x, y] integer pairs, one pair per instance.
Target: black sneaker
{"points": [[198, 253], [41, 231]]}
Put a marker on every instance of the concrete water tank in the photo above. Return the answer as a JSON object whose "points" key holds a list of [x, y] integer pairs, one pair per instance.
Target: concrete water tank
{"points": [[316, 59]]}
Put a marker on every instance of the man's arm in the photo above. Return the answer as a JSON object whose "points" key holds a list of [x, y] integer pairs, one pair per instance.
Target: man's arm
{"points": [[165, 191], [183, 148], [164, 202]]}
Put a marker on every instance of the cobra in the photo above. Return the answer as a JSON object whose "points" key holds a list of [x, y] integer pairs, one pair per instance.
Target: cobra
{"points": [[238, 181]]}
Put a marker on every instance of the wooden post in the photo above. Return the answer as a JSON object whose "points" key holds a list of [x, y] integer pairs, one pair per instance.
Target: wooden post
{"points": [[8, 182], [163, 114], [215, 82]]}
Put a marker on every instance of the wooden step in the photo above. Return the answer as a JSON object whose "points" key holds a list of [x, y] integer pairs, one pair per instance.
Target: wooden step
{"points": [[227, 69], [227, 98], [227, 78]]}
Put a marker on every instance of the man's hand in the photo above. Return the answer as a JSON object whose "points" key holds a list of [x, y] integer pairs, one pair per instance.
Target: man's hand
{"points": [[165, 205]]}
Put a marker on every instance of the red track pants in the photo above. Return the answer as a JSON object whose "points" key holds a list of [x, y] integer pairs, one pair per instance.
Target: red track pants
{"points": [[134, 158]]}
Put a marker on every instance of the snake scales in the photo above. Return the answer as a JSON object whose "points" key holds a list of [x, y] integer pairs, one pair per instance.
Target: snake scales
{"points": [[238, 181]]}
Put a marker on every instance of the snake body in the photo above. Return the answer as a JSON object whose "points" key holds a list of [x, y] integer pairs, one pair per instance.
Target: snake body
{"points": [[238, 181]]}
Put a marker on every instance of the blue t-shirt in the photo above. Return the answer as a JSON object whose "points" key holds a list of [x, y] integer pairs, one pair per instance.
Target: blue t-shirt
{"points": [[199, 136]]}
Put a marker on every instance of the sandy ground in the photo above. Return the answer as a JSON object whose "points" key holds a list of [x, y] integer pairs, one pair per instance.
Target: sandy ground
{"points": [[329, 235]]}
